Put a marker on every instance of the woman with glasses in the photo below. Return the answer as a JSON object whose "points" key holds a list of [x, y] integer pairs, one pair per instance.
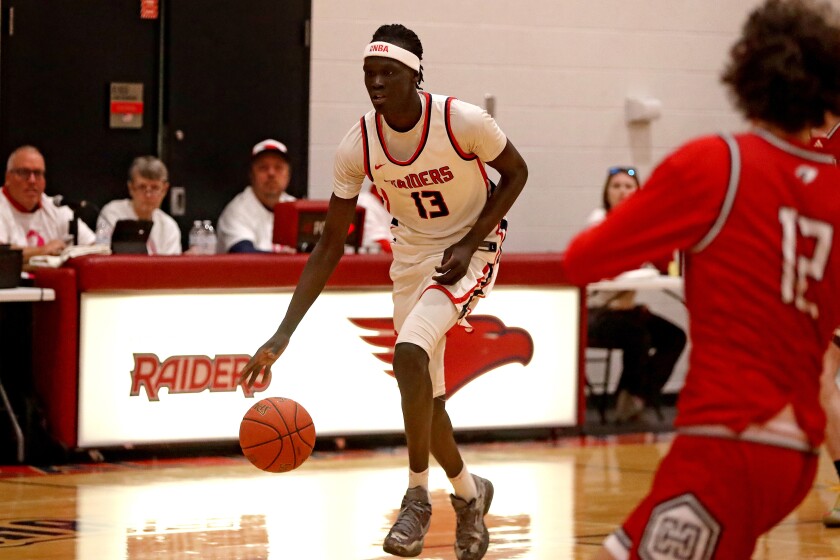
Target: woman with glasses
{"points": [[148, 182], [650, 344]]}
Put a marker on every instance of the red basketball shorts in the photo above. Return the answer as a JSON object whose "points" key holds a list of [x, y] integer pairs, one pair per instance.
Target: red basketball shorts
{"points": [[712, 498]]}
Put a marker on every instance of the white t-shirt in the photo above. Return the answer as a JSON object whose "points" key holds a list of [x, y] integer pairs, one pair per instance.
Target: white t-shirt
{"points": [[597, 216], [246, 219], [377, 219], [35, 229], [165, 237]]}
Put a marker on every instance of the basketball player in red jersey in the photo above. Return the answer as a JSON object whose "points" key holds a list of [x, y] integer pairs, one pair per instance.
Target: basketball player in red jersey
{"points": [[758, 216], [426, 154]]}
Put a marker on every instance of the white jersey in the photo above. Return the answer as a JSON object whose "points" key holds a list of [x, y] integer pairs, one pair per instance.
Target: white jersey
{"points": [[431, 178], [165, 237], [246, 219], [34, 229]]}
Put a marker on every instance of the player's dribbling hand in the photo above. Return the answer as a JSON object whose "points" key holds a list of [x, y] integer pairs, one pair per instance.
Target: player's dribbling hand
{"points": [[454, 264], [261, 362]]}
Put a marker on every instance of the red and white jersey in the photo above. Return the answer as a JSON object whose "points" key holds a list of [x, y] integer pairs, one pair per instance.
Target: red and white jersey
{"points": [[431, 178], [759, 220]]}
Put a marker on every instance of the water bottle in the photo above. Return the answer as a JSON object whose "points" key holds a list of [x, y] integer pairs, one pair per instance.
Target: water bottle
{"points": [[209, 239], [103, 233], [196, 237]]}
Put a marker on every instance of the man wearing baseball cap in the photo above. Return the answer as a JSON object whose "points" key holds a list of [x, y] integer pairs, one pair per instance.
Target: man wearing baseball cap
{"points": [[246, 225]]}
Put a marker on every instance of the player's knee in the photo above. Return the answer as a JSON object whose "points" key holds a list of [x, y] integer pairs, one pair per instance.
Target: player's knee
{"points": [[410, 362], [440, 417]]}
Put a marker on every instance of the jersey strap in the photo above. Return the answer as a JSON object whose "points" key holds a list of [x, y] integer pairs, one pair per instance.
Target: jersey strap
{"points": [[365, 149], [447, 112], [731, 190]]}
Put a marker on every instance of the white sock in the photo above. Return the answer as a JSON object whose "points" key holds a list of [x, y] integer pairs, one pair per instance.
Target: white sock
{"points": [[464, 485], [419, 479]]}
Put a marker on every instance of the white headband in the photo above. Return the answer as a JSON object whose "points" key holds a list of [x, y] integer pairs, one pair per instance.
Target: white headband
{"points": [[389, 50]]}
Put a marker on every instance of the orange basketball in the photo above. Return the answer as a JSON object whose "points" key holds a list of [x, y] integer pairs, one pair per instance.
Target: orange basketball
{"points": [[277, 434]]}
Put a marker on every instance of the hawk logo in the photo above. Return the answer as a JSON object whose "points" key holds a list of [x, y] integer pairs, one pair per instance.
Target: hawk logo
{"points": [[490, 345], [680, 529]]}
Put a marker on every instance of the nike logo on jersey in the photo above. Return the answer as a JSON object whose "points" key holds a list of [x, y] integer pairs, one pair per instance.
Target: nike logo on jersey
{"points": [[378, 165]]}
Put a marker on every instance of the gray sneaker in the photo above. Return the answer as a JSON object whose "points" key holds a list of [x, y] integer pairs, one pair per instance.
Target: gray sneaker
{"points": [[406, 536], [471, 535]]}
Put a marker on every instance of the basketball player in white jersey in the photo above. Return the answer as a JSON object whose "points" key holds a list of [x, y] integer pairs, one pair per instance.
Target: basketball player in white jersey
{"points": [[426, 154]]}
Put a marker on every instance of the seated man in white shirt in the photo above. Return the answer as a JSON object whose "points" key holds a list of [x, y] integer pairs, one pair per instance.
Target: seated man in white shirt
{"points": [[29, 219], [148, 182], [247, 222], [376, 234]]}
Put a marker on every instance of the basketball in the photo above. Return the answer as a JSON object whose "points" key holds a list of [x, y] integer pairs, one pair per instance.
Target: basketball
{"points": [[277, 434]]}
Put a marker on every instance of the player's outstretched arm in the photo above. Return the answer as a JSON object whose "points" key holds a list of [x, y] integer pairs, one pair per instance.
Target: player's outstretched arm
{"points": [[513, 172], [319, 267]]}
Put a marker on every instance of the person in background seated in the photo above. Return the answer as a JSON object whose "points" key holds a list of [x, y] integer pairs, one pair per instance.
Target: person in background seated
{"points": [[29, 219], [377, 236], [650, 344], [247, 222], [148, 182]]}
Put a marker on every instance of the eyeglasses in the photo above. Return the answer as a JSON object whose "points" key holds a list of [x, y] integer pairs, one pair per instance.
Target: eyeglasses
{"points": [[629, 170], [148, 189], [24, 172]]}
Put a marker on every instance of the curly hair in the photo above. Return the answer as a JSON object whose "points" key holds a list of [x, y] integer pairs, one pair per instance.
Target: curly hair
{"points": [[404, 37], [785, 68]]}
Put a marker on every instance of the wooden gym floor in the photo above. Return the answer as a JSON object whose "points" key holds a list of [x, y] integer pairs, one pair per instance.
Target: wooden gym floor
{"points": [[554, 500]]}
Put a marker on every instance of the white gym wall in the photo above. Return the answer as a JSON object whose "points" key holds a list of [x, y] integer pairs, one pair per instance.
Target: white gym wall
{"points": [[560, 72]]}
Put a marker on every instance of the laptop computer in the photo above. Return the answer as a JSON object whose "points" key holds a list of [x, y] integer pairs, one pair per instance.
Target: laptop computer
{"points": [[130, 237]]}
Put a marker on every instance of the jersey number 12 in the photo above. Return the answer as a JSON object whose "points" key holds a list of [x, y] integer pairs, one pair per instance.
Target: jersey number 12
{"points": [[798, 268]]}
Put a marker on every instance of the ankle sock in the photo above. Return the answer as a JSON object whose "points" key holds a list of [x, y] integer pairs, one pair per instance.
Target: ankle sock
{"points": [[464, 485], [419, 479]]}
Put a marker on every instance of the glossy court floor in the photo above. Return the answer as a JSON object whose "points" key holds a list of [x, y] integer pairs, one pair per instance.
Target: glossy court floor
{"points": [[554, 500]]}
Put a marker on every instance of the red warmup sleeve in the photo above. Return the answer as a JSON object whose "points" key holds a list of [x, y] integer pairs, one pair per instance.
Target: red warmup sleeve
{"points": [[673, 211]]}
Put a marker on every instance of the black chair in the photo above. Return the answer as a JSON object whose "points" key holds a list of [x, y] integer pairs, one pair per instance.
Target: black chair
{"points": [[599, 389]]}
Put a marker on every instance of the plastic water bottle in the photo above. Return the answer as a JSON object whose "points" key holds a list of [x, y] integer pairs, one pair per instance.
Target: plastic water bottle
{"points": [[209, 240], [197, 237], [103, 233]]}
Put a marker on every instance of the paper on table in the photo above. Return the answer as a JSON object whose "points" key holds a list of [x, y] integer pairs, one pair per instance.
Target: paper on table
{"points": [[638, 274], [54, 261]]}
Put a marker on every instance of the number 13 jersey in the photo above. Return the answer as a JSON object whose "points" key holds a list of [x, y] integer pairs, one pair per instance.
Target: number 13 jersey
{"points": [[431, 178]]}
